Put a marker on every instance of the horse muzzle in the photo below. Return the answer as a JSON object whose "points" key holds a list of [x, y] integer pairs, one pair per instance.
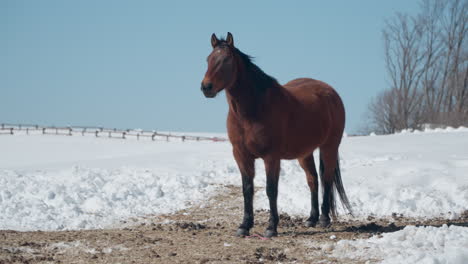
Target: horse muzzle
{"points": [[207, 90]]}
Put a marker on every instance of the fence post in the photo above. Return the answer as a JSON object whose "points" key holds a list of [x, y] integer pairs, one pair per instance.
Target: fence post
{"points": [[82, 132], [97, 131], [27, 131], [110, 134], [152, 136], [167, 138], [123, 134], [183, 138], [56, 131], [69, 131], [11, 130], [43, 130], [138, 136]]}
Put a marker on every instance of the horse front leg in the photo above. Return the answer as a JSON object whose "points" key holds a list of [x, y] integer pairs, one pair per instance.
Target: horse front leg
{"points": [[272, 167], [246, 164]]}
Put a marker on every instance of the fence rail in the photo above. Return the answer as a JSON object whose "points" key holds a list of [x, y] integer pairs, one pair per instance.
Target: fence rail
{"points": [[11, 129]]}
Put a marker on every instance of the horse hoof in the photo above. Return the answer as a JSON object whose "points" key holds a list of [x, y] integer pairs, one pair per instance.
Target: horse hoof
{"points": [[310, 223], [241, 232], [324, 222], [271, 233]]}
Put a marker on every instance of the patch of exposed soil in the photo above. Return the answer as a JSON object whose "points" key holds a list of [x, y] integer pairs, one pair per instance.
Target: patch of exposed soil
{"points": [[201, 234]]}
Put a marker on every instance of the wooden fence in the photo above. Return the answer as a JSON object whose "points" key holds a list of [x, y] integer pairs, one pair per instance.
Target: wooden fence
{"points": [[11, 129]]}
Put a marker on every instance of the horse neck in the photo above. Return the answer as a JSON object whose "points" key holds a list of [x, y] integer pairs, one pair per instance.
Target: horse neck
{"points": [[247, 97]]}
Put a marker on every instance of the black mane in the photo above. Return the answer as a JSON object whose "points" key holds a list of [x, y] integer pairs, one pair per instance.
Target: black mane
{"points": [[262, 80]]}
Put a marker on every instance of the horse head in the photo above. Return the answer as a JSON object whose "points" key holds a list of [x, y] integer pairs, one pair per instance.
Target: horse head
{"points": [[221, 70]]}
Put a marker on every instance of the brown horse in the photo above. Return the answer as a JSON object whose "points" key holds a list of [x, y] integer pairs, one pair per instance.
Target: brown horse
{"points": [[273, 122]]}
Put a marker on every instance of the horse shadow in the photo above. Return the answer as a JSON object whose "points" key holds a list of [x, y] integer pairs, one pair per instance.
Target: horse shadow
{"points": [[370, 228]]}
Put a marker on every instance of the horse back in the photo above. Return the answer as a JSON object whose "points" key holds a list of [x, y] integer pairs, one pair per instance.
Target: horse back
{"points": [[297, 118]]}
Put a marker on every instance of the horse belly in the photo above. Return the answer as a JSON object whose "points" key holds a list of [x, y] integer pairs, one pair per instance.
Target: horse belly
{"points": [[294, 149], [303, 134]]}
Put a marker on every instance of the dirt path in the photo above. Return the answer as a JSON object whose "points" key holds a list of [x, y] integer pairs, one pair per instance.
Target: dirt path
{"points": [[197, 235]]}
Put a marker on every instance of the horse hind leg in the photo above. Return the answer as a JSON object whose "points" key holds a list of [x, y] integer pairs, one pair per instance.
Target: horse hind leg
{"points": [[330, 176], [328, 158], [308, 164]]}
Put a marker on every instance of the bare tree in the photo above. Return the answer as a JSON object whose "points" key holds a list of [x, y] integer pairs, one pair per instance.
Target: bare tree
{"points": [[432, 88], [384, 114], [455, 30], [403, 56], [445, 28], [426, 58]]}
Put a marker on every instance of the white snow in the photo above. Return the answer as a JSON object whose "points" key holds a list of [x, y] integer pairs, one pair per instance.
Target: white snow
{"points": [[410, 245], [50, 182], [417, 175], [59, 182]]}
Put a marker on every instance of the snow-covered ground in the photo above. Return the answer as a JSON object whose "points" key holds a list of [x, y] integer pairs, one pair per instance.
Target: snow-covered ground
{"points": [[52, 182], [446, 244]]}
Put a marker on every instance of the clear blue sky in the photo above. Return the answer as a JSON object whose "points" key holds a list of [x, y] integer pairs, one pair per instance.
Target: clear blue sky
{"points": [[139, 64]]}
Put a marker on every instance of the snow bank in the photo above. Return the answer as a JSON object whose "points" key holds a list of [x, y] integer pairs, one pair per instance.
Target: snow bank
{"points": [[427, 129], [80, 198], [417, 175], [60, 182], [55, 183], [410, 245]]}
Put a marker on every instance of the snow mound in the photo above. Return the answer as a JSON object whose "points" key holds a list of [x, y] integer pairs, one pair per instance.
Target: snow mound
{"points": [[60, 182], [410, 245], [416, 175], [57, 183], [448, 129], [84, 198]]}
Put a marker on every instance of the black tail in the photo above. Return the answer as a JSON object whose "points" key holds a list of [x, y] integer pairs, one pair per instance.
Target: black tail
{"points": [[337, 185]]}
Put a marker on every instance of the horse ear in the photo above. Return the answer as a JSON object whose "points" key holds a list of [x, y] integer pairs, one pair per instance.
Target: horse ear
{"points": [[229, 39], [214, 40]]}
